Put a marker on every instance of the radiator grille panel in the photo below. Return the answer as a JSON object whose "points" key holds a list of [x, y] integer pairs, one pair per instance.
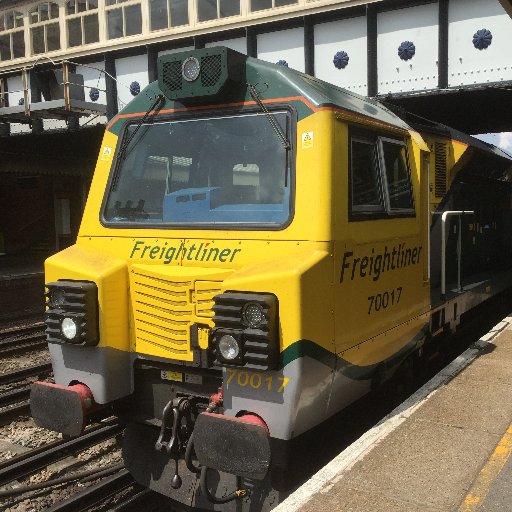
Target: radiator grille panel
{"points": [[211, 70], [165, 308], [171, 75]]}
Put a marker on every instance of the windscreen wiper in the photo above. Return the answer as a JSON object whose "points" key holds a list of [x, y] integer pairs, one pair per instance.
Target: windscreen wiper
{"points": [[154, 108], [275, 125]]}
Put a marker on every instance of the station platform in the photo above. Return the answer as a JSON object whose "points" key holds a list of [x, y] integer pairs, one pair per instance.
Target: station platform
{"points": [[446, 448]]}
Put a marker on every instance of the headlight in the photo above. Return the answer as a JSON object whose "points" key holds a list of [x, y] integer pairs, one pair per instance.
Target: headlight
{"points": [[69, 328], [190, 69], [72, 313], [253, 315], [228, 347], [246, 331]]}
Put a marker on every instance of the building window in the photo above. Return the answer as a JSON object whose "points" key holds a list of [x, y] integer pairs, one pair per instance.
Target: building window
{"points": [[12, 40], [44, 32], [259, 5], [82, 22], [168, 13], [213, 9], [123, 20]]}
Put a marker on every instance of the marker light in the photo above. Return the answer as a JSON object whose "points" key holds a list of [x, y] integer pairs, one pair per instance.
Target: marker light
{"points": [[57, 297], [190, 69], [228, 347], [252, 314], [68, 328]]}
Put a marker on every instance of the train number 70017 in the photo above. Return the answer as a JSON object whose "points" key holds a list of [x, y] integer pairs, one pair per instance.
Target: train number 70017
{"points": [[384, 300]]}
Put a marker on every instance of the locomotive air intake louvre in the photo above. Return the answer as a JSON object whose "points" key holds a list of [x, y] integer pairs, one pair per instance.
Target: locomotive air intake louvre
{"points": [[440, 169], [211, 70], [172, 75]]}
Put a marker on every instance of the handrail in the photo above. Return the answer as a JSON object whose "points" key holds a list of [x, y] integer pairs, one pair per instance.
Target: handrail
{"points": [[445, 215]]}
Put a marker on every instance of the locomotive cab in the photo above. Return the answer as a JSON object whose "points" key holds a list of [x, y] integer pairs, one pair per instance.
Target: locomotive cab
{"points": [[253, 258]]}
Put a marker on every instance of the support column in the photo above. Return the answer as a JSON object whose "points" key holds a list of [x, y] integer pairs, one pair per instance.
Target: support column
{"points": [[371, 40]]}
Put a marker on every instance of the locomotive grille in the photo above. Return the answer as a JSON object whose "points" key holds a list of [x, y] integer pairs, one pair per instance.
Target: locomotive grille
{"points": [[77, 300], [440, 169], [172, 75], [211, 70], [165, 308], [260, 346]]}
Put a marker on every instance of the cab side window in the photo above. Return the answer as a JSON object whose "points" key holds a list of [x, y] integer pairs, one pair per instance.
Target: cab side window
{"points": [[379, 177], [366, 187]]}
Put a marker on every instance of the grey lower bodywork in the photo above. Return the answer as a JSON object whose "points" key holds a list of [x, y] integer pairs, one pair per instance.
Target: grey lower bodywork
{"points": [[106, 371]]}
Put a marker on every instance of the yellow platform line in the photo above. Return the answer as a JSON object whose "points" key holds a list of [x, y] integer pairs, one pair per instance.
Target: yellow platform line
{"points": [[488, 474]]}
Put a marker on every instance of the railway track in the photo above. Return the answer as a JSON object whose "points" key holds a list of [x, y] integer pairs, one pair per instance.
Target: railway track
{"points": [[36, 370], [112, 484], [15, 402], [20, 339]]}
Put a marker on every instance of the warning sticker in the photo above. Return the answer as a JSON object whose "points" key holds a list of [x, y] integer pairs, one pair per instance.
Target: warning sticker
{"points": [[307, 140], [106, 154]]}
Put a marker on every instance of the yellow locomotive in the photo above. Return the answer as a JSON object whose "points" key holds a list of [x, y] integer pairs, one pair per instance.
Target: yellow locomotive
{"points": [[259, 249]]}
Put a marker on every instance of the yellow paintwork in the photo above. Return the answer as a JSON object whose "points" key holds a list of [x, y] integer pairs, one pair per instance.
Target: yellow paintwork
{"points": [[146, 297], [364, 337]]}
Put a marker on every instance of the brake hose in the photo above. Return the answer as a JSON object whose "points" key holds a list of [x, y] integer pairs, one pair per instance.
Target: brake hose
{"points": [[239, 493]]}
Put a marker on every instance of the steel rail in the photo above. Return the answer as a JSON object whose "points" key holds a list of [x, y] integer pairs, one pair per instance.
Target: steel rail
{"points": [[96, 494], [15, 396], [26, 464], [138, 501], [23, 373], [15, 344], [9, 332]]}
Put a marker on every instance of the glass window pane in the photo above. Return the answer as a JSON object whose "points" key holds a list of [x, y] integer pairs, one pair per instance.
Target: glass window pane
{"points": [[110, 2], [18, 44], [279, 3], [258, 5], [115, 23], [399, 184], [365, 179], [5, 47], [70, 7], [206, 10], [229, 8], [179, 12], [9, 20], [37, 34], [54, 10], [93, 4], [74, 32], [233, 181], [91, 29], [133, 19], [34, 16], [18, 19], [43, 12], [2, 20], [82, 5], [53, 36], [158, 14]]}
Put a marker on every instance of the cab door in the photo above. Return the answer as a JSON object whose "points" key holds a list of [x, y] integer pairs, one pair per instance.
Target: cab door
{"points": [[380, 293]]}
